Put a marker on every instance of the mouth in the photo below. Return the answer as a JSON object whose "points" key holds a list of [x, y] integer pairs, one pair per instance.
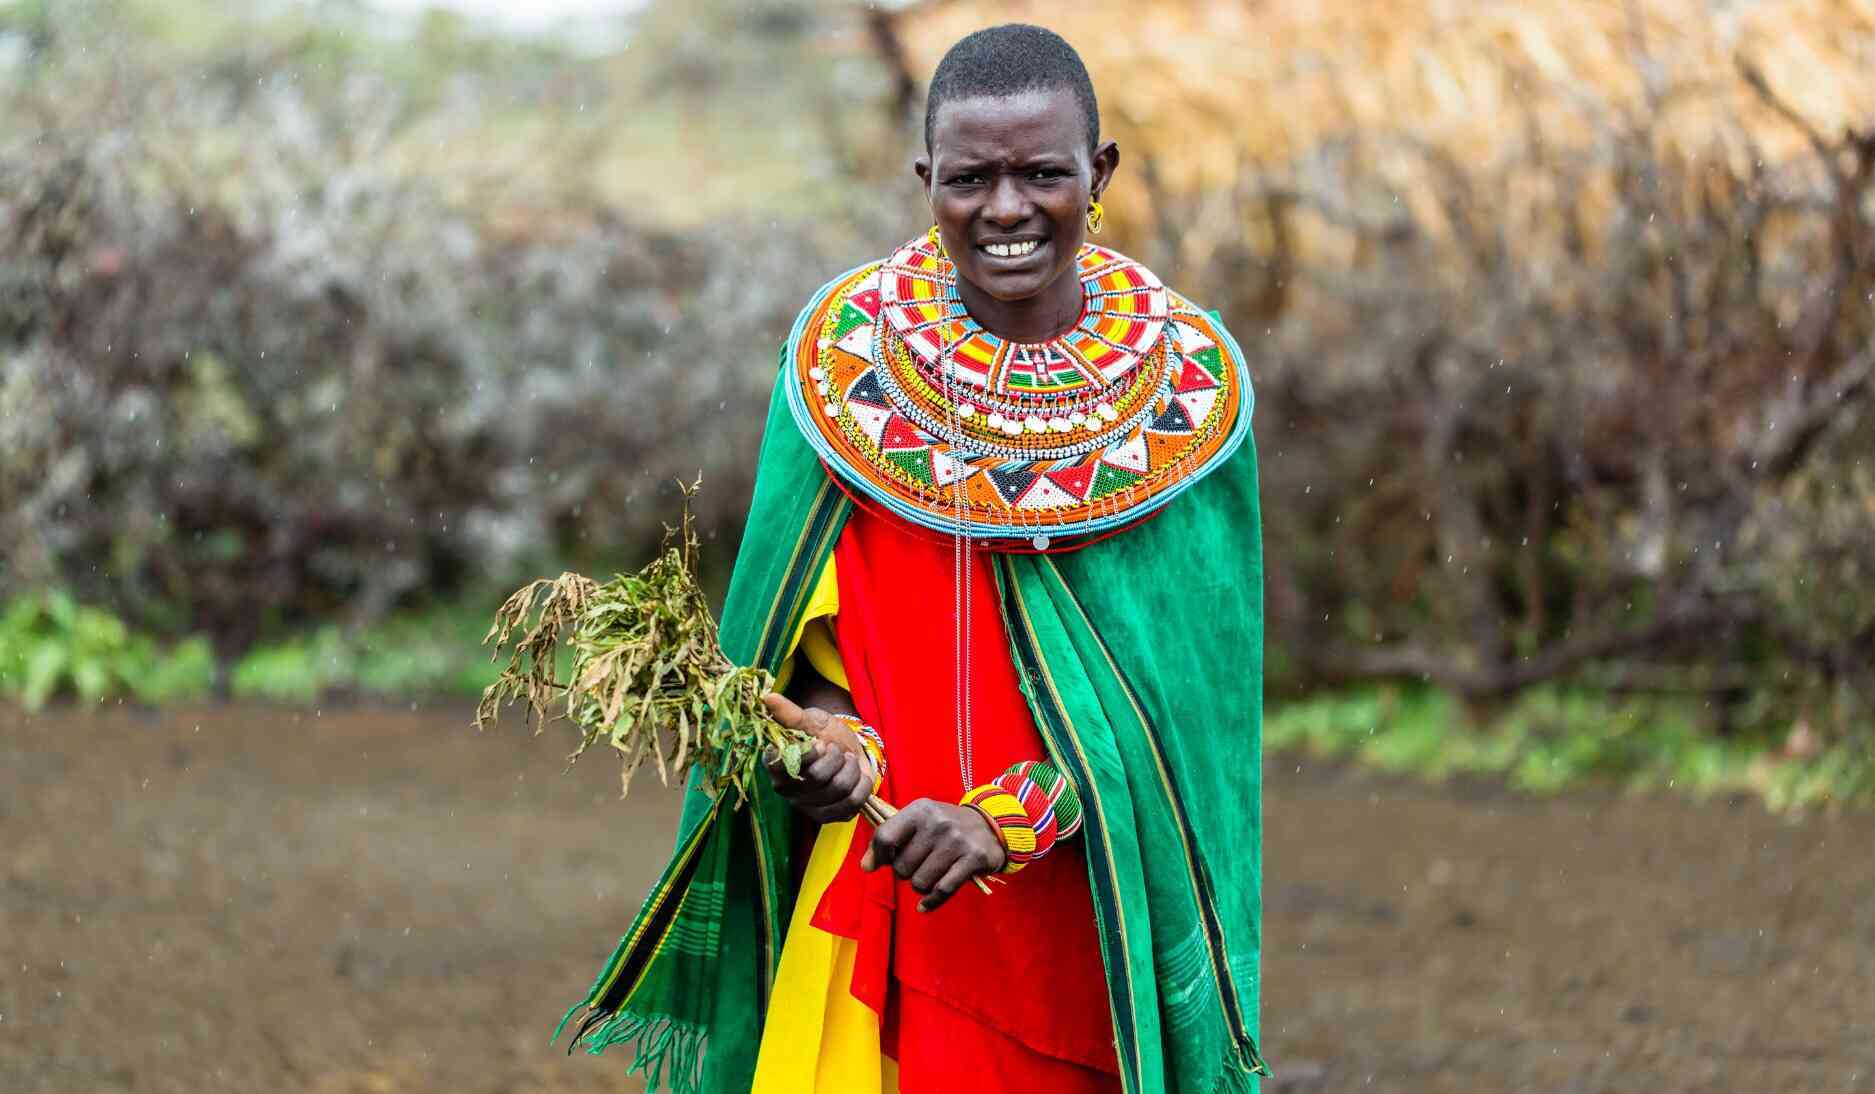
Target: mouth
{"points": [[1011, 250]]}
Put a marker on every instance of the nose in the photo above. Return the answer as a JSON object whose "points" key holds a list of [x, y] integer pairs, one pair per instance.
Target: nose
{"points": [[1007, 206]]}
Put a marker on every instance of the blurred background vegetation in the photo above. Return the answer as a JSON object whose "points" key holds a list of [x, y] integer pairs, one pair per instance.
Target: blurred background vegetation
{"points": [[323, 326]]}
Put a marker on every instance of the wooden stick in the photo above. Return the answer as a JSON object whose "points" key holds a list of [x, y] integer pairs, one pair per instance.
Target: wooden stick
{"points": [[877, 811]]}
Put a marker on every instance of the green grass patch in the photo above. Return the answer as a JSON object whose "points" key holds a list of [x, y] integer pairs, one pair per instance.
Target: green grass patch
{"points": [[434, 652], [1547, 740], [1553, 738]]}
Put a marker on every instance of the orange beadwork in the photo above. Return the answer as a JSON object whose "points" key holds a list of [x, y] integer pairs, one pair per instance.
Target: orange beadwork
{"points": [[904, 394], [870, 741]]}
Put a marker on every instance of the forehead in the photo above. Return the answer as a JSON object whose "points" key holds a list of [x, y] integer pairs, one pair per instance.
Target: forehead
{"points": [[1026, 125]]}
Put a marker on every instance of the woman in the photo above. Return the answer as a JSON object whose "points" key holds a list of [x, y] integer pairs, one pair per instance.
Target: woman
{"points": [[1004, 556]]}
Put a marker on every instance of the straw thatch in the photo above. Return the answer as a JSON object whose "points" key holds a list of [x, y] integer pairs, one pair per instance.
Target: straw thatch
{"points": [[1205, 88]]}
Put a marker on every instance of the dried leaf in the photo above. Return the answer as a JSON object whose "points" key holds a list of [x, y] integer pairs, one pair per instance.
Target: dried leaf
{"points": [[644, 669]]}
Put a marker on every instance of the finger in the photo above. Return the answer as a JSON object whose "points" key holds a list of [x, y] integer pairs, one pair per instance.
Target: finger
{"points": [[935, 866], [783, 709], [821, 762], [830, 813], [837, 812], [836, 731], [835, 777], [836, 787], [887, 839], [861, 791], [911, 856], [816, 721], [954, 879]]}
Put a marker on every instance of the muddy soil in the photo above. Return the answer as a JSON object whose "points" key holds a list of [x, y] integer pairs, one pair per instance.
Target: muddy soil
{"points": [[361, 899]]}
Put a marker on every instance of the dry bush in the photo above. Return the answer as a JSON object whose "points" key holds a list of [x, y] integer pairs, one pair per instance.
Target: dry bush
{"points": [[260, 369], [1601, 412]]}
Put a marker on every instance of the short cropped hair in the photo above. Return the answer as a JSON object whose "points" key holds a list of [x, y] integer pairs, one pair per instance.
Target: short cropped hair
{"points": [[1009, 60]]}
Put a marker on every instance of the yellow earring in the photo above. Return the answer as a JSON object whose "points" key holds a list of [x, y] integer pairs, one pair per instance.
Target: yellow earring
{"points": [[937, 242], [1096, 216]]}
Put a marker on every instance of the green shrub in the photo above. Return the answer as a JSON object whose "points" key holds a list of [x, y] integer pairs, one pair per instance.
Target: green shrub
{"points": [[51, 645], [434, 652], [297, 670]]}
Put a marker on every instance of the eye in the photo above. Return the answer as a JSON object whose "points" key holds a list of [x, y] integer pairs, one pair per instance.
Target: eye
{"points": [[1048, 174], [966, 180]]}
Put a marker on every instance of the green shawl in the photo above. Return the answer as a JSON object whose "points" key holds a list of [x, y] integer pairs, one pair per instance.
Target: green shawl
{"points": [[1142, 659]]}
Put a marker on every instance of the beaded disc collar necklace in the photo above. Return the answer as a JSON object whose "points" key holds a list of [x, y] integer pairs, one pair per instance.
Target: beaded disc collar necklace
{"points": [[1029, 446], [1011, 446]]}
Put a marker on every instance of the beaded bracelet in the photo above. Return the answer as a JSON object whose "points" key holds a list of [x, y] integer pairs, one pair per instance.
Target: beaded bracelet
{"points": [[869, 740], [1010, 819], [1045, 792], [1031, 806]]}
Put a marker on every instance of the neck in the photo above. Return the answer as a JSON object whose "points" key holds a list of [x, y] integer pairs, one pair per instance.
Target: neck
{"points": [[1048, 314]]}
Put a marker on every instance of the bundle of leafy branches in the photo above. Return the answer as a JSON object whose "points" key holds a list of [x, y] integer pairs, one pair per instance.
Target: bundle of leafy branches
{"points": [[647, 676]]}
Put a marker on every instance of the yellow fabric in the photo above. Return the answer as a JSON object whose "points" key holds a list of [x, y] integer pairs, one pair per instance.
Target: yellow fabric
{"points": [[814, 637], [817, 645], [819, 1039]]}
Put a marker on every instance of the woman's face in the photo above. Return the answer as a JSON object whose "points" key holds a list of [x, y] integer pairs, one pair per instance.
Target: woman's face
{"points": [[1009, 180]]}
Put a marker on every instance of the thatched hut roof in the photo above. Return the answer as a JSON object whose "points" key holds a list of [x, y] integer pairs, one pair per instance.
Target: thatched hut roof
{"points": [[1222, 80], [1207, 88]]}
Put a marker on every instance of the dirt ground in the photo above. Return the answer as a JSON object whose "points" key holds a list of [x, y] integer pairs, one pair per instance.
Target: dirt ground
{"points": [[361, 899]]}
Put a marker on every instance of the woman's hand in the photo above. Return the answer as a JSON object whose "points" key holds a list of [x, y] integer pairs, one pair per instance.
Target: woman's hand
{"points": [[836, 775], [936, 846]]}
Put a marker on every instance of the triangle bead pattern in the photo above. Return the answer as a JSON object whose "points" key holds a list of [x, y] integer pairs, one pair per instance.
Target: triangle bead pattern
{"points": [[1050, 443]]}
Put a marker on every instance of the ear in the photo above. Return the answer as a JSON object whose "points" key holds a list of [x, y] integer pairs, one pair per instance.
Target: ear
{"points": [[1106, 162], [922, 168]]}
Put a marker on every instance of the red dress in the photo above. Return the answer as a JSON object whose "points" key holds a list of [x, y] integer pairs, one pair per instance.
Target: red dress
{"points": [[1004, 992]]}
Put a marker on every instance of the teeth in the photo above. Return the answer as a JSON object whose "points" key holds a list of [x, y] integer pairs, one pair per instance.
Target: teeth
{"points": [[1012, 250]]}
